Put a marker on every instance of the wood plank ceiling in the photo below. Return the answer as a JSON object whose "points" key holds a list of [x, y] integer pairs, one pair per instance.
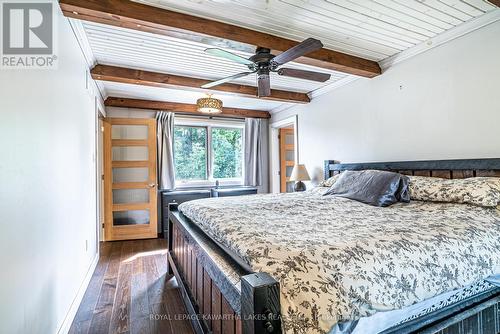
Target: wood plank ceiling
{"points": [[371, 29], [130, 48]]}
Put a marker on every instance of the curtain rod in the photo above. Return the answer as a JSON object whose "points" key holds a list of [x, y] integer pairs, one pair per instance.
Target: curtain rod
{"points": [[203, 117]]}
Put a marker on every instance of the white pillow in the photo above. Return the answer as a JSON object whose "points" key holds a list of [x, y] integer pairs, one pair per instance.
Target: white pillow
{"points": [[329, 182], [482, 191]]}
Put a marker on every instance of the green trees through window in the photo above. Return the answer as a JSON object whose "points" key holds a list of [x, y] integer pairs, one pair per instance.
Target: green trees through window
{"points": [[193, 153], [227, 152], [190, 153]]}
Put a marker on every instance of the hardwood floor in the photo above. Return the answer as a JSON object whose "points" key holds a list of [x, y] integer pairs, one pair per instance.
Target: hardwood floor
{"points": [[131, 292]]}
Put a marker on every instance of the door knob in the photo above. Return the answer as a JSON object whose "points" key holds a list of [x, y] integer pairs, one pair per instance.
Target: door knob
{"points": [[152, 185]]}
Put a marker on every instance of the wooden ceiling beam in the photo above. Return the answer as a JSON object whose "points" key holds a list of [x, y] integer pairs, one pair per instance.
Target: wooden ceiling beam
{"points": [[183, 108], [495, 2], [154, 79], [137, 16]]}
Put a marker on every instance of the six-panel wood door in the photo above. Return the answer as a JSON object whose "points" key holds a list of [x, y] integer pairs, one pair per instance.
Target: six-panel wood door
{"points": [[130, 189], [287, 158]]}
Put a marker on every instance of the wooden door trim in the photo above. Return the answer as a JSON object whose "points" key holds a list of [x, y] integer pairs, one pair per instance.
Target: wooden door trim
{"points": [[108, 180], [283, 147], [129, 142], [123, 232], [131, 185], [129, 121], [131, 207], [153, 193], [130, 164], [282, 161]]}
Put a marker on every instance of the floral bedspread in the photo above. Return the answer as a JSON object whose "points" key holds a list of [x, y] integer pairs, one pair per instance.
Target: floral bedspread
{"points": [[338, 260]]}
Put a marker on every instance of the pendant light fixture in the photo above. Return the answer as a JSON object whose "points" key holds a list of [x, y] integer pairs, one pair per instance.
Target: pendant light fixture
{"points": [[209, 105]]}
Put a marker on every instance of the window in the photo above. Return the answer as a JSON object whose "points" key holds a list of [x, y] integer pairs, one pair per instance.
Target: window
{"points": [[190, 153], [208, 150]]}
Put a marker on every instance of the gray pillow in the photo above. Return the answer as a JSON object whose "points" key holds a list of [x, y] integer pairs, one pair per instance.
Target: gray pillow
{"points": [[374, 187]]}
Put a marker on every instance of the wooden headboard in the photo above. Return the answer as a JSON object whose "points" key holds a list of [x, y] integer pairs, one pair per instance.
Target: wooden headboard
{"points": [[450, 169]]}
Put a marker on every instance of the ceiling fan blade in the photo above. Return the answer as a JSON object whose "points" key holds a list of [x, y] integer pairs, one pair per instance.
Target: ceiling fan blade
{"points": [[297, 51], [264, 85], [302, 74], [226, 79], [228, 55]]}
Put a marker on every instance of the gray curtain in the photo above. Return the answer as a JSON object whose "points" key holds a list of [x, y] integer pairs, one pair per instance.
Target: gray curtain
{"points": [[165, 149], [253, 152]]}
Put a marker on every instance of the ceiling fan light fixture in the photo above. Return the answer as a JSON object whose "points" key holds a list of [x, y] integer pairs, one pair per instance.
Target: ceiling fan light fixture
{"points": [[209, 105], [262, 62]]}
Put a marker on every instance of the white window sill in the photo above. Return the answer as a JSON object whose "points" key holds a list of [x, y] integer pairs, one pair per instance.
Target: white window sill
{"points": [[207, 184]]}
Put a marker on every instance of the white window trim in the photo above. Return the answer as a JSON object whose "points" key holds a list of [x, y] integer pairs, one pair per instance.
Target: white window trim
{"points": [[209, 124]]}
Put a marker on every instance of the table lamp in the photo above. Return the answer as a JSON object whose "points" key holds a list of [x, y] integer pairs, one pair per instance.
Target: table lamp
{"points": [[299, 174]]}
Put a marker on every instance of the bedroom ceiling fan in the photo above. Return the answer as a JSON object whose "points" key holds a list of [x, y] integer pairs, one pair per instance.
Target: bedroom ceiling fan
{"points": [[263, 62]]}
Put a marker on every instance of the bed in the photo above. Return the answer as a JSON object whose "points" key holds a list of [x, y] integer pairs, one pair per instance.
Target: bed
{"points": [[307, 263]]}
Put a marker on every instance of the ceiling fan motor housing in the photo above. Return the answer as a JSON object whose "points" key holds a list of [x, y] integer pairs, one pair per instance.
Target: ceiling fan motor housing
{"points": [[263, 72], [262, 60]]}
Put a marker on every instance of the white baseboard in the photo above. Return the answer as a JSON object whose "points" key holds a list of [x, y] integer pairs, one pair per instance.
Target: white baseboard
{"points": [[68, 320]]}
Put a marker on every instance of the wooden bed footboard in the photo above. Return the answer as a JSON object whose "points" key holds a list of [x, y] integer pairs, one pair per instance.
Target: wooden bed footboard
{"points": [[214, 303]]}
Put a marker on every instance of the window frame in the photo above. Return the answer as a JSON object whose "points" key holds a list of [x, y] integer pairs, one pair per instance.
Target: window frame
{"points": [[210, 124]]}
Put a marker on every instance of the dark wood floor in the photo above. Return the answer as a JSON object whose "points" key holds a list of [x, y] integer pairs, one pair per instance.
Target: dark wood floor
{"points": [[131, 292]]}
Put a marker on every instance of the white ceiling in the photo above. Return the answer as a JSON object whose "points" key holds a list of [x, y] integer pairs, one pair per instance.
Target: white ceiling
{"points": [[372, 29], [137, 49]]}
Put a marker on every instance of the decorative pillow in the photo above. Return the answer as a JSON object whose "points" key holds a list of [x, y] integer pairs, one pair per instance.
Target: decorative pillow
{"points": [[329, 182], [374, 187], [482, 191], [318, 190]]}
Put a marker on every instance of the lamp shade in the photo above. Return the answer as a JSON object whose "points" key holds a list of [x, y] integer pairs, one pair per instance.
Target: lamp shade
{"points": [[299, 173], [209, 105]]}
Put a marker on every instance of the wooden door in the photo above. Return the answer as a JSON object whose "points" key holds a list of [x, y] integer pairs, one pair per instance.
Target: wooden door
{"points": [[130, 195], [287, 158]]}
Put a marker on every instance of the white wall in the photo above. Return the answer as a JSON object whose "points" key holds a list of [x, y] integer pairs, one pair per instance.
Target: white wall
{"points": [[441, 104], [47, 196]]}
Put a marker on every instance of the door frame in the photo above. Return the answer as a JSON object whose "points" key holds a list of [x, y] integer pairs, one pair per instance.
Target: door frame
{"points": [[275, 148], [100, 177], [284, 162], [98, 159]]}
